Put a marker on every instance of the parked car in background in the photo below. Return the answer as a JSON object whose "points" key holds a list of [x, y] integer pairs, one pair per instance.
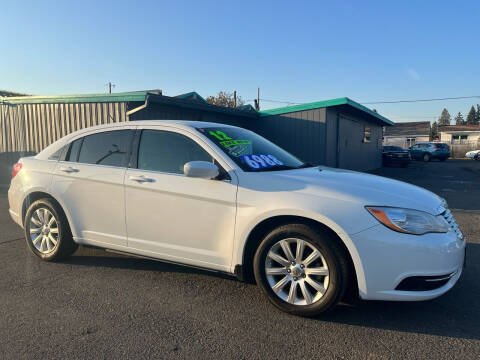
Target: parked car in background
{"points": [[226, 199], [429, 151], [475, 154], [395, 155]]}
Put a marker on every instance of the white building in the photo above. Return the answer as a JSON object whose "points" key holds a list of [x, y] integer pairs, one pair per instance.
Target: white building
{"points": [[406, 134], [459, 134]]}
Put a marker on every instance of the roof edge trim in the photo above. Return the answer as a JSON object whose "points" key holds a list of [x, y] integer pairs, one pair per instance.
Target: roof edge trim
{"points": [[323, 104]]}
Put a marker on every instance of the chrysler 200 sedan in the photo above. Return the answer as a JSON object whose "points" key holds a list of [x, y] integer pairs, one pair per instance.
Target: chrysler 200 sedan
{"points": [[225, 199]]}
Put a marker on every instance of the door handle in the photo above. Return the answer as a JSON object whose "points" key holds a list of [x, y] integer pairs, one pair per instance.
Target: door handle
{"points": [[69, 169], [141, 179]]}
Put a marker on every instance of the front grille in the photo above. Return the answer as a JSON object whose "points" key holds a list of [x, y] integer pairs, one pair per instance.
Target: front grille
{"points": [[453, 224], [423, 283]]}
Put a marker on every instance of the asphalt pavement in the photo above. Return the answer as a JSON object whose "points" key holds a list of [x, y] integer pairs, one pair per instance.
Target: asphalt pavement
{"points": [[97, 305]]}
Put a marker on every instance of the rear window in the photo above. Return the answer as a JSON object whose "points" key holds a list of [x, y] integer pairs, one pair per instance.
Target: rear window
{"points": [[392, 148], [442, 146]]}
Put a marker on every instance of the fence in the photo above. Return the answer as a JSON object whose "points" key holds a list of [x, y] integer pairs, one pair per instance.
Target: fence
{"points": [[26, 129], [457, 149]]}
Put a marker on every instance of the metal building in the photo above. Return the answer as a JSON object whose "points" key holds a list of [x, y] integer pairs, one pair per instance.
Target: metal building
{"points": [[339, 132]]}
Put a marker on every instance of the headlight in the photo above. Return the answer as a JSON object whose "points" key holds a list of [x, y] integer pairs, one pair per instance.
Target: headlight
{"points": [[408, 221]]}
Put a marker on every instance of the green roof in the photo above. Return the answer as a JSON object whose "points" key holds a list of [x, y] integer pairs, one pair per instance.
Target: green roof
{"points": [[85, 98], [323, 104]]}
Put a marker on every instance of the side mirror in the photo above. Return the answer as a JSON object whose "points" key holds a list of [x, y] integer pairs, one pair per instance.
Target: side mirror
{"points": [[201, 169]]}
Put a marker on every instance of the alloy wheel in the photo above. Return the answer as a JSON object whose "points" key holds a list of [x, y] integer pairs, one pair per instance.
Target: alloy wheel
{"points": [[43, 230], [297, 271]]}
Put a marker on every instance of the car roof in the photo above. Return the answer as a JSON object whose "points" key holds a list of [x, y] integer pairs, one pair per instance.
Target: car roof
{"points": [[178, 124]]}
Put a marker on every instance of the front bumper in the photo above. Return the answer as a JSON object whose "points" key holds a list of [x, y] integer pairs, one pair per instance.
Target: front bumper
{"points": [[389, 257]]}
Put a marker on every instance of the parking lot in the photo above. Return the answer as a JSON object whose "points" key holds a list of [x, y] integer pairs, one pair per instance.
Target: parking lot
{"points": [[99, 305]]}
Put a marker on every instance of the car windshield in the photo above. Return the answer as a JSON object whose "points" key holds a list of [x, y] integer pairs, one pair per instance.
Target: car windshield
{"points": [[251, 151]]}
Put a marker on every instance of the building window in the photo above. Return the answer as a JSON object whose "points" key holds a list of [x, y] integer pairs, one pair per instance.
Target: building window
{"points": [[410, 142], [459, 139], [366, 134]]}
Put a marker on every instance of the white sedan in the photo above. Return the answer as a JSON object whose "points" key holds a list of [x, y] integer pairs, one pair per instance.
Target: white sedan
{"points": [[475, 154], [225, 199]]}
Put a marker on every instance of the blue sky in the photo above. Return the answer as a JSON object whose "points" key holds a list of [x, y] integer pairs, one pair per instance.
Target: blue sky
{"points": [[297, 51]]}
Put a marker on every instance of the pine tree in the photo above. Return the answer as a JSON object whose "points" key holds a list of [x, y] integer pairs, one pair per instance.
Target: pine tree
{"points": [[477, 120], [434, 131], [444, 118], [459, 119], [472, 116]]}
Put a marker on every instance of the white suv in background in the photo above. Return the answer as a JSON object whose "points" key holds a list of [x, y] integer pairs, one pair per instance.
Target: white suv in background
{"points": [[224, 198]]}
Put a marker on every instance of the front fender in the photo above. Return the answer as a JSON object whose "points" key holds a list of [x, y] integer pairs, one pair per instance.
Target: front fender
{"points": [[244, 230]]}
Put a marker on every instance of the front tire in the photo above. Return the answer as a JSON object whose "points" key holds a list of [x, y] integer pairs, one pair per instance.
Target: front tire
{"points": [[47, 232], [302, 271]]}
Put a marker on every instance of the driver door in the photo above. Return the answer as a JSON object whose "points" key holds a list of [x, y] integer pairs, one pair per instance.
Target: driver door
{"points": [[178, 218]]}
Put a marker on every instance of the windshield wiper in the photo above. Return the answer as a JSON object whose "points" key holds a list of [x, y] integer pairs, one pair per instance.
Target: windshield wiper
{"points": [[305, 165], [277, 168]]}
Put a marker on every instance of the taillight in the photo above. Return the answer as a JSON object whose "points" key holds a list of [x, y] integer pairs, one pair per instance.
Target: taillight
{"points": [[16, 169]]}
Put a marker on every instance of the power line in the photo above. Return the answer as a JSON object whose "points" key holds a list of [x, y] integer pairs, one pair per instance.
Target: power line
{"points": [[421, 100], [383, 102]]}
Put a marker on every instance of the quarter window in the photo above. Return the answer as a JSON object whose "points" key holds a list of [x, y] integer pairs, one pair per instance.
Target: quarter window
{"points": [[57, 155], [168, 152], [105, 148], [74, 150]]}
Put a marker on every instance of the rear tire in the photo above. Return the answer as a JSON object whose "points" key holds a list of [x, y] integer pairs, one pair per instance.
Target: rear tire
{"points": [[47, 231], [292, 282], [426, 157], [477, 157]]}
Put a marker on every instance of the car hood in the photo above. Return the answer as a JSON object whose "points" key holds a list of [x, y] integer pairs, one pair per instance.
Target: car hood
{"points": [[355, 187]]}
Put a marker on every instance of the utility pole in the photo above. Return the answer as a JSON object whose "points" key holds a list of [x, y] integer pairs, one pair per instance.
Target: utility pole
{"points": [[257, 100], [110, 86], [234, 98]]}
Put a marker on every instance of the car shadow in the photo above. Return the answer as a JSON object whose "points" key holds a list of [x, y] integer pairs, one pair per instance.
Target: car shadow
{"points": [[93, 257], [455, 314]]}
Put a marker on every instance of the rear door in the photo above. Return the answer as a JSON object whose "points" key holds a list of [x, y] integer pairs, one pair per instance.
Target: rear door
{"points": [[179, 218], [89, 182]]}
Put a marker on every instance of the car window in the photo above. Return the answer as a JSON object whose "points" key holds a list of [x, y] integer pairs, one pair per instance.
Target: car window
{"points": [[105, 148], [57, 155], [168, 152], [74, 150]]}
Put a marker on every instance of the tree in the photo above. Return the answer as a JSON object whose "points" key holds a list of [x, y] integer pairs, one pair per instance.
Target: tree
{"points": [[434, 131], [459, 119], [444, 118], [478, 114], [472, 117], [225, 99]]}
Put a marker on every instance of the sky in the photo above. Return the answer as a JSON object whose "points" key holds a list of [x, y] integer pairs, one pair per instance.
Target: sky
{"points": [[297, 51]]}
